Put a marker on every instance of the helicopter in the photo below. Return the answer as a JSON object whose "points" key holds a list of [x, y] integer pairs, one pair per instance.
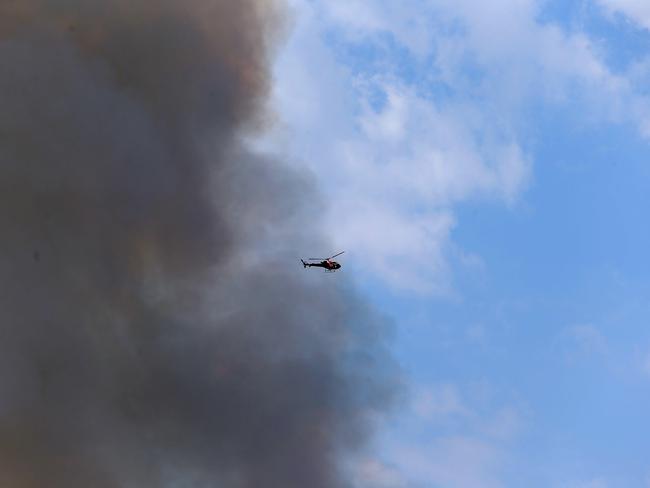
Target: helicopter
{"points": [[327, 263]]}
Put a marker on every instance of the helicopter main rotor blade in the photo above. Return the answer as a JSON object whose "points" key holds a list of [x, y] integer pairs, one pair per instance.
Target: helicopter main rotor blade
{"points": [[325, 259]]}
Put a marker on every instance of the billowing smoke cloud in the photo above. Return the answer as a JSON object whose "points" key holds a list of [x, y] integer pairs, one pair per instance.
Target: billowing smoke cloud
{"points": [[155, 327]]}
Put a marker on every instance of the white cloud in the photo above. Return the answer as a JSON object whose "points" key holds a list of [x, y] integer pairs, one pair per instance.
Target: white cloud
{"points": [[478, 411], [453, 462], [414, 151], [361, 19], [451, 435], [440, 402], [372, 473], [396, 152], [520, 59], [636, 10]]}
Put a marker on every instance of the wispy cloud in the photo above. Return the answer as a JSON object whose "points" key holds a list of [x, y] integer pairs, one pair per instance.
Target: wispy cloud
{"points": [[636, 10], [592, 483], [586, 339], [456, 436], [453, 462], [440, 402], [372, 473]]}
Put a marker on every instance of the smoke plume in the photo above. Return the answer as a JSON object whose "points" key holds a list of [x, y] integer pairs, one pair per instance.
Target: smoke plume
{"points": [[156, 329]]}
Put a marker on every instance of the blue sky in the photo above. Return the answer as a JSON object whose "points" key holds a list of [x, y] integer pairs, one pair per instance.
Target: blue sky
{"points": [[486, 170]]}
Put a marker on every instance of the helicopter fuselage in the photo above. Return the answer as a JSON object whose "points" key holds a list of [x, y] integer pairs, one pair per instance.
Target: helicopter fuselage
{"points": [[328, 265]]}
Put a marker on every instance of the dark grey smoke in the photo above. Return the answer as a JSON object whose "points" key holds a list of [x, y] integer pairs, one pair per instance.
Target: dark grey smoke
{"points": [[156, 329]]}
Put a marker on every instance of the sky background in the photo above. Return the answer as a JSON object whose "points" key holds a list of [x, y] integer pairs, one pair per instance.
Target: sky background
{"points": [[486, 170]]}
